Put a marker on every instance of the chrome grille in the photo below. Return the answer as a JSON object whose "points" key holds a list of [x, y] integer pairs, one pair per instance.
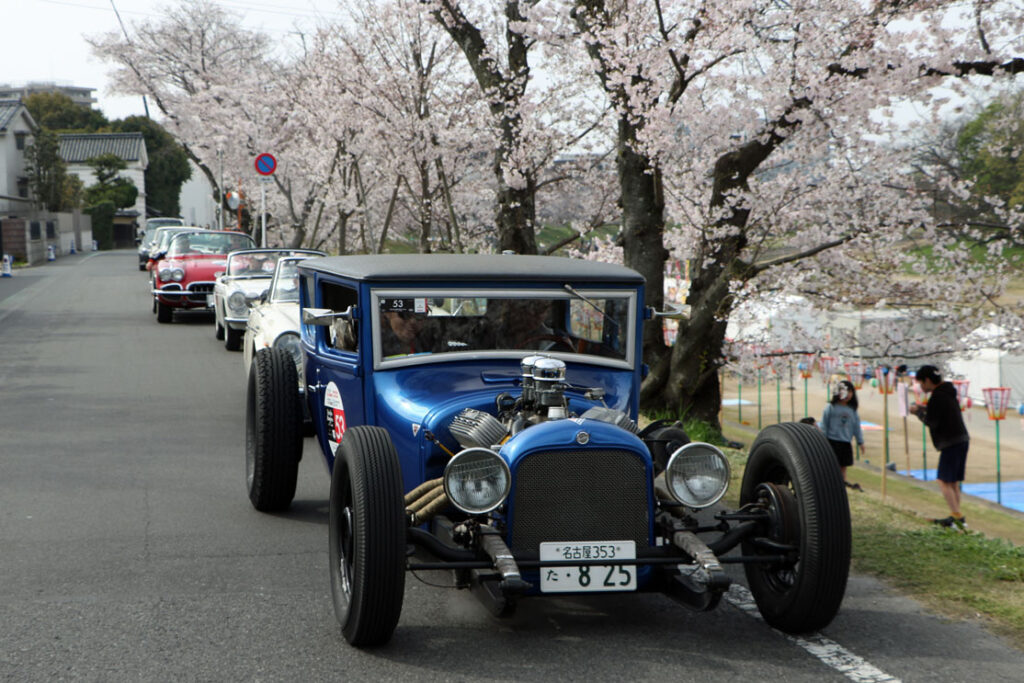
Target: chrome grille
{"points": [[579, 495], [199, 290]]}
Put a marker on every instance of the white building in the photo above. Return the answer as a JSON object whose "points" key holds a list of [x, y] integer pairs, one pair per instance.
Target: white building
{"points": [[16, 131], [197, 204], [77, 149]]}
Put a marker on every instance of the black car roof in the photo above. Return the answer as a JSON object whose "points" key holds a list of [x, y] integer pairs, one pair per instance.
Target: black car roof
{"points": [[457, 267]]}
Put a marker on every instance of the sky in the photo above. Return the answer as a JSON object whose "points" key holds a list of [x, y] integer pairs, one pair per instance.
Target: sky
{"points": [[47, 38]]}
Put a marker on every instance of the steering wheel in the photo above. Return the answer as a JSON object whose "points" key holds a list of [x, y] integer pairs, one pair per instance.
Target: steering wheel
{"points": [[557, 339]]}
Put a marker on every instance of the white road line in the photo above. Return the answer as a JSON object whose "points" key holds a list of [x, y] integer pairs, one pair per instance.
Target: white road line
{"points": [[828, 651]]}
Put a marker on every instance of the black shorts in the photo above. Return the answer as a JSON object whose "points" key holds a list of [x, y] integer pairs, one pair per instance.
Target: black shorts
{"points": [[953, 463], [843, 451]]}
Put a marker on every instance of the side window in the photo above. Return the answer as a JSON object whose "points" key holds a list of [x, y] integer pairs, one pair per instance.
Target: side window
{"points": [[342, 334]]}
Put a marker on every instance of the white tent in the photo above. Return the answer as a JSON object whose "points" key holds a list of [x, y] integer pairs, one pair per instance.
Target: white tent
{"points": [[991, 365]]}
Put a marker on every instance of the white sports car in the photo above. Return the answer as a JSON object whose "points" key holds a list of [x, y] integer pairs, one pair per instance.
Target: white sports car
{"points": [[246, 276], [274, 320]]}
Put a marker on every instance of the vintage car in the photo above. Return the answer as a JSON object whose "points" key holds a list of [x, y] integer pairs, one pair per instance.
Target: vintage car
{"points": [[274, 319], [478, 416], [183, 275], [156, 240], [246, 276]]}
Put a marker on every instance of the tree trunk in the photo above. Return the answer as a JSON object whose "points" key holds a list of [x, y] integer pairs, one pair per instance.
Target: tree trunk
{"points": [[643, 224], [426, 209], [516, 213]]}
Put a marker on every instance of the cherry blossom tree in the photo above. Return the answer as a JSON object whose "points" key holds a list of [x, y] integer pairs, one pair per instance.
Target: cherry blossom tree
{"points": [[753, 141]]}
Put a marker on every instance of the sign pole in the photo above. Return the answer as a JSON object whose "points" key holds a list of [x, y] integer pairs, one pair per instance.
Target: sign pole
{"points": [[263, 215], [265, 164]]}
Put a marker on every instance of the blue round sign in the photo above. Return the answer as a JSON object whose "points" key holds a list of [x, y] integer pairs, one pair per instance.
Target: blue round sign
{"points": [[266, 164]]}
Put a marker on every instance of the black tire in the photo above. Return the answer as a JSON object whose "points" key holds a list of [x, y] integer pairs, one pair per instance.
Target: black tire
{"points": [[273, 436], [218, 332], [367, 537], [164, 313], [233, 342], [793, 472]]}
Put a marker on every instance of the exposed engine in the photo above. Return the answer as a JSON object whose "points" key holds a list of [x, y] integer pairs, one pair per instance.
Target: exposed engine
{"points": [[543, 399]]}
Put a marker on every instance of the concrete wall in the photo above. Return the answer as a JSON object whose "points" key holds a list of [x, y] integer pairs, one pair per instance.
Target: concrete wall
{"points": [[18, 239]]}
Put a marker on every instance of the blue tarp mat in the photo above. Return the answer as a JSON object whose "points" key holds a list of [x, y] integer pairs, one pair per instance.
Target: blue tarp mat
{"points": [[1011, 492]]}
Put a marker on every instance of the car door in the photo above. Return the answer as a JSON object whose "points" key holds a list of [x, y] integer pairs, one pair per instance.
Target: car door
{"points": [[333, 370]]}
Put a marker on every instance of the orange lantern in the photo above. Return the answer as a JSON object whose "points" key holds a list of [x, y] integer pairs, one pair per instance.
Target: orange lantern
{"points": [[961, 393], [997, 400], [855, 371], [887, 379]]}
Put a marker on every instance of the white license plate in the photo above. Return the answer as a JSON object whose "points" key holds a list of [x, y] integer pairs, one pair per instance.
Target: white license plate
{"points": [[209, 300], [592, 578]]}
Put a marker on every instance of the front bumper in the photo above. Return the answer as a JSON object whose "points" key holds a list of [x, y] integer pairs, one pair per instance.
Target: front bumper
{"points": [[193, 295]]}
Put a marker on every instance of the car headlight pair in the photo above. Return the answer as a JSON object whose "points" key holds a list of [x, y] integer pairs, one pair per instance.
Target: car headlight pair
{"points": [[477, 480], [289, 342], [172, 274], [238, 304], [697, 475]]}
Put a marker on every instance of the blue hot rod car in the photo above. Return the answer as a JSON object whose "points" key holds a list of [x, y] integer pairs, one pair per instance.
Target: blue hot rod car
{"points": [[477, 414]]}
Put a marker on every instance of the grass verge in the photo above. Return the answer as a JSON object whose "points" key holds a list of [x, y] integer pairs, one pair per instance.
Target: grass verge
{"points": [[978, 575]]}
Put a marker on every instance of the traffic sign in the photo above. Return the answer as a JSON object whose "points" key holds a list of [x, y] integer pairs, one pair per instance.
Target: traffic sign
{"points": [[266, 164]]}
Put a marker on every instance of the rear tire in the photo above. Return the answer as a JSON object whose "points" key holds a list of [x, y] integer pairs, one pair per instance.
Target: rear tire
{"points": [[794, 474], [273, 437], [367, 537]]}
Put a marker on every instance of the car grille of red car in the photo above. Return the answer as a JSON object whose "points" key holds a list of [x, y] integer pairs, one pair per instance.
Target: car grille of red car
{"points": [[200, 290], [580, 495]]}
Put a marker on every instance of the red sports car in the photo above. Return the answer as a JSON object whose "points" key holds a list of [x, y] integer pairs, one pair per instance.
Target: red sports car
{"points": [[185, 273]]}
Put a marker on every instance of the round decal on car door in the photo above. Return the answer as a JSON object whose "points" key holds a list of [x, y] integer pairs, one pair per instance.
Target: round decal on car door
{"points": [[334, 415]]}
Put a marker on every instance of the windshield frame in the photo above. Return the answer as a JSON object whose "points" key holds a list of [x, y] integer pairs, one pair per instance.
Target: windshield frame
{"points": [[377, 294]]}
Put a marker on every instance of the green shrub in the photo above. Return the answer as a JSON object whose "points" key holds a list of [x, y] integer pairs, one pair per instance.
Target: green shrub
{"points": [[102, 224]]}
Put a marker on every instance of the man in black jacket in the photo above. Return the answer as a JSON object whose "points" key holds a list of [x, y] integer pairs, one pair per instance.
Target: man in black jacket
{"points": [[946, 425]]}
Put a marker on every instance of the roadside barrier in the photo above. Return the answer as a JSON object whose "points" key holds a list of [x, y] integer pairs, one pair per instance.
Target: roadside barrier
{"points": [[51, 253], [95, 245], [6, 271], [72, 250]]}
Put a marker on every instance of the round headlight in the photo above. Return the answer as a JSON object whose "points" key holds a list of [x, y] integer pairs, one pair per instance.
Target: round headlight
{"points": [[477, 480], [697, 475], [289, 341], [237, 303], [164, 274], [177, 274]]}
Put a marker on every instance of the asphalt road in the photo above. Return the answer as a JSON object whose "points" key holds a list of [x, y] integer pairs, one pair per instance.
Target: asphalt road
{"points": [[129, 551]]}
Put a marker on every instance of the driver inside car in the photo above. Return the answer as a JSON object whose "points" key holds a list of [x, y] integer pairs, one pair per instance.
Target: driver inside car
{"points": [[402, 334]]}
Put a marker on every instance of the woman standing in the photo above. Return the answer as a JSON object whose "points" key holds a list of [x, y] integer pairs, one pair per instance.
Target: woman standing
{"points": [[841, 423]]}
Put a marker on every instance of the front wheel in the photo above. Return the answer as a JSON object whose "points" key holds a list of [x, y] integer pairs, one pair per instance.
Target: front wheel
{"points": [[273, 437], [233, 340], [367, 537], [793, 475], [164, 313]]}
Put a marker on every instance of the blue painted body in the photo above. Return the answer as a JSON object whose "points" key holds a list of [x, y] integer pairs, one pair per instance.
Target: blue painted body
{"points": [[412, 400]]}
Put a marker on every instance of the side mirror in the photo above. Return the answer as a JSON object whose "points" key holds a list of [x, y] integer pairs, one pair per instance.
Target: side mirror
{"points": [[674, 312], [264, 295], [325, 317]]}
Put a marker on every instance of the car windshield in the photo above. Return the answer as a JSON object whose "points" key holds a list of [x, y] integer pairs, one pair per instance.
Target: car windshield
{"points": [[158, 222], [286, 286], [163, 236], [595, 323], [198, 243], [255, 263]]}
